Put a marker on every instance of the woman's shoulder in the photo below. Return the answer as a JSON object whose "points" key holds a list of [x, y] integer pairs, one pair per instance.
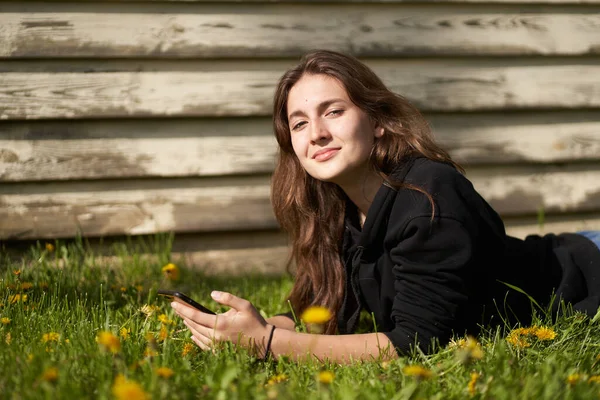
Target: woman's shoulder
{"points": [[429, 174], [424, 180]]}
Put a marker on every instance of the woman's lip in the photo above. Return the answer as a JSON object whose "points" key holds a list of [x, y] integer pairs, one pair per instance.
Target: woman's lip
{"points": [[326, 154]]}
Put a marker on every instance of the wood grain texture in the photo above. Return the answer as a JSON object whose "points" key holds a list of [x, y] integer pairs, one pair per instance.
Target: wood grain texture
{"points": [[134, 207], [218, 31], [205, 205], [367, 2], [38, 151], [429, 85]]}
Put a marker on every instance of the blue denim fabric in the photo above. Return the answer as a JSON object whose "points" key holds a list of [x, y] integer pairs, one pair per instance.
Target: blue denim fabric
{"points": [[594, 236]]}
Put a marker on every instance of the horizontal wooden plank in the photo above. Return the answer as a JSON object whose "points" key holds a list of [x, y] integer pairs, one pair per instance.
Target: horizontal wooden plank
{"points": [[307, 2], [47, 210], [522, 227], [206, 31], [135, 207], [37, 151], [452, 87]]}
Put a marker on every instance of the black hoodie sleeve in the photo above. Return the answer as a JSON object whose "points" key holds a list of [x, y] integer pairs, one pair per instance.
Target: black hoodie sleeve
{"points": [[430, 268]]}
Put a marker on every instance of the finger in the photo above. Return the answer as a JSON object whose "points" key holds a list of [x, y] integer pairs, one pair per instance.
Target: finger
{"points": [[199, 330], [193, 314], [200, 344], [230, 300], [203, 339]]}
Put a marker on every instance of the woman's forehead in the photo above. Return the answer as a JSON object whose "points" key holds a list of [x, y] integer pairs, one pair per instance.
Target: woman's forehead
{"points": [[312, 90]]}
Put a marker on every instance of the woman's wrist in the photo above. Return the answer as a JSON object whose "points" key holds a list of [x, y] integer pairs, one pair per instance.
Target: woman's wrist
{"points": [[269, 341]]}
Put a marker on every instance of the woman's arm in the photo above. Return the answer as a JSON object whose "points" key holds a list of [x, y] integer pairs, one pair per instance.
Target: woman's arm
{"points": [[339, 348], [282, 322], [244, 326]]}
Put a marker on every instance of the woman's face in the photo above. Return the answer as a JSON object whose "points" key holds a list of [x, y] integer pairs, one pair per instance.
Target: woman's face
{"points": [[331, 136]]}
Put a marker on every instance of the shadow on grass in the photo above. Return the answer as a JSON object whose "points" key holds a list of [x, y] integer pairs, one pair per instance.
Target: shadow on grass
{"points": [[122, 273]]}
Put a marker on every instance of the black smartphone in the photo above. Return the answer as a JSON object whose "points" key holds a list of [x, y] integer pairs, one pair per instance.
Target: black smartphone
{"points": [[178, 296]]}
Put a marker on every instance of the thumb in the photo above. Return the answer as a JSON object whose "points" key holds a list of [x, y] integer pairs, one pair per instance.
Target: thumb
{"points": [[228, 299]]}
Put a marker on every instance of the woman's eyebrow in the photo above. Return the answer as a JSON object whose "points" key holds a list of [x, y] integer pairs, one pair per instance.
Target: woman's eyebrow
{"points": [[322, 105]]}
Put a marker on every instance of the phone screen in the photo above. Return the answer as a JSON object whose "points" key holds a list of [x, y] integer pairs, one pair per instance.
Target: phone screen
{"points": [[178, 296]]}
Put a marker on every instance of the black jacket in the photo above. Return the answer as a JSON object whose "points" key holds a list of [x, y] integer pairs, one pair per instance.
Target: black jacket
{"points": [[430, 273]]}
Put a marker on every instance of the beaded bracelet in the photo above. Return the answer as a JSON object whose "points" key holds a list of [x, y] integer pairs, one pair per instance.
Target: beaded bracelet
{"points": [[269, 344]]}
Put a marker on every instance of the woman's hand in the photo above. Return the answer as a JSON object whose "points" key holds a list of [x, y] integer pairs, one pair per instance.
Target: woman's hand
{"points": [[242, 324]]}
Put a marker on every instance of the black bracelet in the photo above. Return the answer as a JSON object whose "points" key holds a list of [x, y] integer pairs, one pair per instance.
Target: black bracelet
{"points": [[269, 344]]}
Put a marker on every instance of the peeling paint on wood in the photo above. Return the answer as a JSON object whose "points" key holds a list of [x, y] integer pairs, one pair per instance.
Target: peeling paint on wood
{"points": [[97, 150], [249, 93], [109, 208], [248, 32]]}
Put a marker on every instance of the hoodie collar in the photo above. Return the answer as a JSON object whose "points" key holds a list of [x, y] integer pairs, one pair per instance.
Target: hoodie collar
{"points": [[369, 236]]}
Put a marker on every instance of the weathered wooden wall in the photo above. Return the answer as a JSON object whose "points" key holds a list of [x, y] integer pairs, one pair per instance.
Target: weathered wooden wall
{"points": [[142, 117]]}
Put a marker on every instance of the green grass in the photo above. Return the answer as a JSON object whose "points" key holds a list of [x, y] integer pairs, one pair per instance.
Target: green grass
{"points": [[75, 294]]}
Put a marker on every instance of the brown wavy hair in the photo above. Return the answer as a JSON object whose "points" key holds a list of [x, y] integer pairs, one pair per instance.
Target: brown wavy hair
{"points": [[312, 211]]}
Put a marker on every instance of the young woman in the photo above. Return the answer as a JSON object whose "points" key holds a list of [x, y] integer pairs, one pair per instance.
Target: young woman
{"points": [[381, 219]]}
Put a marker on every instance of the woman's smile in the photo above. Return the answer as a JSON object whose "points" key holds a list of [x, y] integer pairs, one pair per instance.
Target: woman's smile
{"points": [[325, 154]]}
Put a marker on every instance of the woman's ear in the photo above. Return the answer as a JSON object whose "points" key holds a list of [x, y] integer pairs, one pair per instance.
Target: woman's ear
{"points": [[379, 131]]}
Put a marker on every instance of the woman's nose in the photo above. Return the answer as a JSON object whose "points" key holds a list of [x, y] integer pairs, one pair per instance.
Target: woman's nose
{"points": [[318, 132]]}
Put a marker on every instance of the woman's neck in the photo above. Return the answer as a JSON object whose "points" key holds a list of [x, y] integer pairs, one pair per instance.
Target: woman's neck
{"points": [[362, 192]]}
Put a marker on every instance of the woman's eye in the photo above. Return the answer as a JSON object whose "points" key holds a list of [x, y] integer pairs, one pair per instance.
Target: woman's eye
{"points": [[298, 126], [335, 112]]}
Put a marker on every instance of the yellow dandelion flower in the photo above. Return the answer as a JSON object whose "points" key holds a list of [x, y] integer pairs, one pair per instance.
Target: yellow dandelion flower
{"points": [[517, 339], [17, 272], [124, 333], [50, 337], [123, 289], [573, 379], [325, 377], [16, 298], [187, 349], [49, 247], [43, 285], [67, 341], [316, 315], [164, 372], [108, 341], [26, 285], [544, 333], [163, 334], [148, 310], [29, 357], [527, 331], [594, 379], [460, 343], [417, 371], [5, 320], [470, 350], [171, 271], [125, 389], [150, 352], [139, 288], [471, 386], [164, 319], [50, 374], [277, 379]]}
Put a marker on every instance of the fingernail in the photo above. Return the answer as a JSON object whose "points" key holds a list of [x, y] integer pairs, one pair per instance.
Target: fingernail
{"points": [[174, 305], [215, 294]]}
